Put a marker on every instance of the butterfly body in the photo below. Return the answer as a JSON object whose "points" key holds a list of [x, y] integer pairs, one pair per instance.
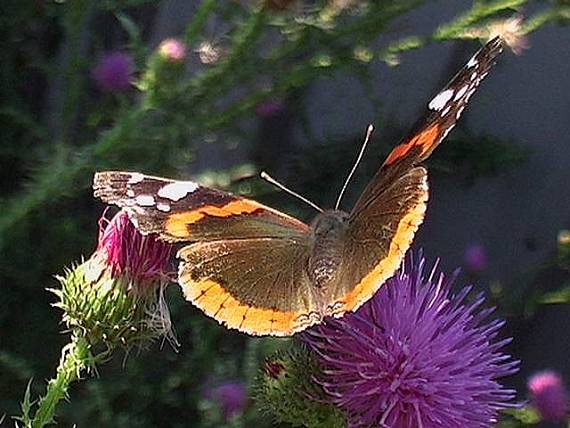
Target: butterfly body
{"points": [[328, 232], [258, 270]]}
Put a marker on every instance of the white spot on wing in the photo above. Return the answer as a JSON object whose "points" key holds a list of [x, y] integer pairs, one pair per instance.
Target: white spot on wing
{"points": [[440, 100], [459, 111], [177, 190], [461, 92], [163, 207], [447, 131], [145, 200], [131, 193], [136, 177], [472, 62]]}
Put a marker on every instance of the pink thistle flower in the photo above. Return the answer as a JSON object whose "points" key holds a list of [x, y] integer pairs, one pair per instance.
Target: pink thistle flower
{"points": [[475, 258], [549, 395], [415, 356], [116, 297], [113, 71], [172, 50], [143, 259]]}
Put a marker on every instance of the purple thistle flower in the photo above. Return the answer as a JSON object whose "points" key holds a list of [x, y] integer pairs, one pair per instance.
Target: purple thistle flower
{"points": [[549, 395], [113, 71], [144, 259], [475, 258], [269, 107], [415, 356], [230, 396]]}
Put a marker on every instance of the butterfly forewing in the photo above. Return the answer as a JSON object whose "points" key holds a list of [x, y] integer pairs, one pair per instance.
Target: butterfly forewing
{"points": [[187, 211], [443, 112]]}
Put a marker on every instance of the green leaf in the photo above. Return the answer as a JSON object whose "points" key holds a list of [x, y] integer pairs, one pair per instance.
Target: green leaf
{"points": [[130, 27], [556, 297]]}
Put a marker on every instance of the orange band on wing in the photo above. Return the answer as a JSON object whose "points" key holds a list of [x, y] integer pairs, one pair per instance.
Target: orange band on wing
{"points": [[426, 139], [366, 288], [215, 301], [177, 223]]}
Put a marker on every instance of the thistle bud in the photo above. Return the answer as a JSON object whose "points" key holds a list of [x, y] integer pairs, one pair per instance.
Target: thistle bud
{"points": [[116, 296], [285, 389]]}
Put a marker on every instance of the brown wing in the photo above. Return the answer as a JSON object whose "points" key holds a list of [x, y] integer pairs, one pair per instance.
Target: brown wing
{"points": [[258, 286], [187, 211], [385, 218]]}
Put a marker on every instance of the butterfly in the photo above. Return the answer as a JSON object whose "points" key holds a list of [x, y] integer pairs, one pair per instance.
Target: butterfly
{"points": [[263, 272]]}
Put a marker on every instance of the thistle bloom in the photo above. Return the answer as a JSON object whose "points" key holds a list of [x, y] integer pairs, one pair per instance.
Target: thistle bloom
{"points": [[116, 296], [141, 259], [173, 50], [548, 395], [113, 71], [475, 258], [230, 396], [415, 356]]}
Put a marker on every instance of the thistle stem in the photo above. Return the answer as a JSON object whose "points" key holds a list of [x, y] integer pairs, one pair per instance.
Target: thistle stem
{"points": [[75, 358]]}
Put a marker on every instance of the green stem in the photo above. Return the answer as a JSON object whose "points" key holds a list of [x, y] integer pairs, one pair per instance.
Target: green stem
{"points": [[76, 358], [198, 21]]}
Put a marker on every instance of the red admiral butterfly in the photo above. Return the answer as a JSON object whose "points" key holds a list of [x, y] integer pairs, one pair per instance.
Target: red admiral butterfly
{"points": [[261, 271]]}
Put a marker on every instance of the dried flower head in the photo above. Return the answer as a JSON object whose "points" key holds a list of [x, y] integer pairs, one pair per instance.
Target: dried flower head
{"points": [[173, 50], [511, 31], [415, 356], [548, 395], [113, 71]]}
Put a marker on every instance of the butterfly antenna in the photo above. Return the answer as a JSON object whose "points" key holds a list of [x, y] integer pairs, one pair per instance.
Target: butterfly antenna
{"points": [[369, 132], [271, 180]]}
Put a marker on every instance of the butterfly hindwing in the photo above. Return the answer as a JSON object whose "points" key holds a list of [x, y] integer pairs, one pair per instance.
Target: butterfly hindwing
{"points": [[258, 285]]}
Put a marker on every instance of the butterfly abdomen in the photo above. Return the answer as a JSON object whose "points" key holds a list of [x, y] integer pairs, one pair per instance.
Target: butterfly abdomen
{"points": [[328, 235]]}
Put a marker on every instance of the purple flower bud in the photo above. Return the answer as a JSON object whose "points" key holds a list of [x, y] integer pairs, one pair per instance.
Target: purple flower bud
{"points": [[269, 107], [230, 396], [274, 368], [415, 356], [172, 50], [475, 258], [549, 395], [113, 71], [142, 258]]}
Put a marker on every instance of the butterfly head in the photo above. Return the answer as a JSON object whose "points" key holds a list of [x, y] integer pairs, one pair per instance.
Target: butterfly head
{"points": [[329, 223]]}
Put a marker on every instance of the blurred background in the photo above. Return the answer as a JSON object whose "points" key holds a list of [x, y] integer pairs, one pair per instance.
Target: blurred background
{"points": [[216, 91]]}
